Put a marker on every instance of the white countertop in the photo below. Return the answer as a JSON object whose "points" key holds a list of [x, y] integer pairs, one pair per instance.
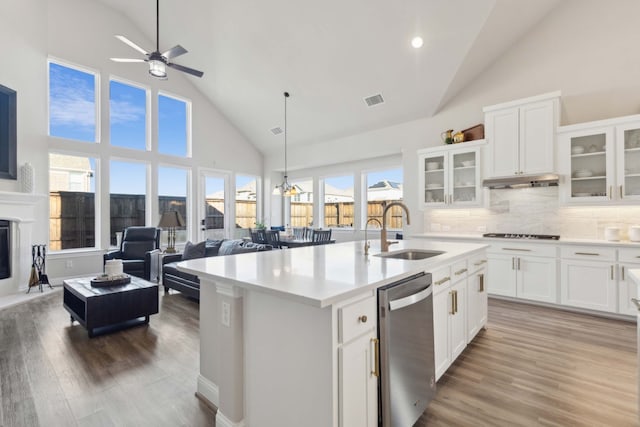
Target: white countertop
{"points": [[326, 274], [562, 241]]}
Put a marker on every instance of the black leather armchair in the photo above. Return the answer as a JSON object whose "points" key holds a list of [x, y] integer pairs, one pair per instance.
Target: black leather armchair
{"points": [[136, 248]]}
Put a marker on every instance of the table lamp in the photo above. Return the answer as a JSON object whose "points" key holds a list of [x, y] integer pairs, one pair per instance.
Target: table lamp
{"points": [[170, 220]]}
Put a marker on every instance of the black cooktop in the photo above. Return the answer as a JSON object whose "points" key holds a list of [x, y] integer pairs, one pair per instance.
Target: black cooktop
{"points": [[523, 236]]}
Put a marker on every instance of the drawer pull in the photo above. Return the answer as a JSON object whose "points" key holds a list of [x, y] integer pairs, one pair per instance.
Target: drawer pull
{"points": [[459, 272], [481, 277], [484, 260], [516, 249], [441, 281], [612, 272], [588, 253], [362, 319], [453, 302], [623, 272]]}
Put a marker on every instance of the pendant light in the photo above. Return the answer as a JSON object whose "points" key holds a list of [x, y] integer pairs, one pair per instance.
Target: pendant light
{"points": [[285, 189]]}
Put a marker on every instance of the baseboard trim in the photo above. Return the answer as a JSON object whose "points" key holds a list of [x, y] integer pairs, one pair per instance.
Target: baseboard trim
{"points": [[208, 391], [222, 421]]}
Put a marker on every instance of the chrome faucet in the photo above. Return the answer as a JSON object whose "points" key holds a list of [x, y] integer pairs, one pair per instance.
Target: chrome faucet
{"points": [[367, 245], [384, 243]]}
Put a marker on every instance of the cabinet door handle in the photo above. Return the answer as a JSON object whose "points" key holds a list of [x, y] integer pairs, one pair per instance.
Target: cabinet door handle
{"points": [[610, 192], [516, 249], [441, 281], [376, 354], [513, 263], [453, 307], [622, 271], [636, 302], [621, 192], [588, 253], [518, 263], [481, 277], [612, 272], [459, 272], [455, 294]]}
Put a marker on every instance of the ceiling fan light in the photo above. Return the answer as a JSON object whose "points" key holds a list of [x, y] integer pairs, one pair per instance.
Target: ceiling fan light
{"points": [[157, 69]]}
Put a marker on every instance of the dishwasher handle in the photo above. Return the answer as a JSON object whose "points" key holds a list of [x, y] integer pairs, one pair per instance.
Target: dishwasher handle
{"points": [[411, 299]]}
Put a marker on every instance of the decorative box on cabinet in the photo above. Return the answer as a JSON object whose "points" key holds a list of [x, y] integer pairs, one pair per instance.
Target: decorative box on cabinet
{"points": [[450, 175], [600, 161], [521, 135]]}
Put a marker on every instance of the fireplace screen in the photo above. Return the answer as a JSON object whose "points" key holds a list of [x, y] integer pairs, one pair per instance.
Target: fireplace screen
{"points": [[5, 249]]}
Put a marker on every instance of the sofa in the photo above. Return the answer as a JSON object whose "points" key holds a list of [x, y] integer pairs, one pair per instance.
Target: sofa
{"points": [[189, 284]]}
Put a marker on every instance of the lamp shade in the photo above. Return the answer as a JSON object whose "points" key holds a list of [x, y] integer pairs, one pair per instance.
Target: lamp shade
{"points": [[171, 219]]}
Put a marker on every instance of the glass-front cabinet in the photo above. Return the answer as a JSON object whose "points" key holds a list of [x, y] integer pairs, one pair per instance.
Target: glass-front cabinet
{"points": [[450, 175], [600, 161]]}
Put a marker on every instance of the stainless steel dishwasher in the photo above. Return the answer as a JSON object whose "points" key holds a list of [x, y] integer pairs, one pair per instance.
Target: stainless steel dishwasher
{"points": [[407, 369]]}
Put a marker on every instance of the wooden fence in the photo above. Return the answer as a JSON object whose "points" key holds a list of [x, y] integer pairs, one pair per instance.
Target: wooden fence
{"points": [[342, 214]]}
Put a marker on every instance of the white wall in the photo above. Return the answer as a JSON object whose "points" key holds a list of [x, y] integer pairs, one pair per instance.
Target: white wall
{"points": [[82, 32], [585, 48]]}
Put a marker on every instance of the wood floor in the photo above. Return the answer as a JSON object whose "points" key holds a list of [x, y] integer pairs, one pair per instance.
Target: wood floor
{"points": [[532, 366]]}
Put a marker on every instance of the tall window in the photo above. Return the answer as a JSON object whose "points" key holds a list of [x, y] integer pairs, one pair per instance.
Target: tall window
{"points": [[128, 183], [302, 204], [214, 207], [127, 115], [72, 103], [384, 187], [338, 201], [246, 213], [71, 202], [173, 119], [172, 196]]}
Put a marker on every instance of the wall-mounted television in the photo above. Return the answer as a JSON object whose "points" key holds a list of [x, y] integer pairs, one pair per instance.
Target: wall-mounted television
{"points": [[8, 143]]}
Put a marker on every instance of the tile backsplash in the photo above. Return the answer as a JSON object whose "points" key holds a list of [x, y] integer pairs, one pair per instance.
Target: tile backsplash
{"points": [[533, 211]]}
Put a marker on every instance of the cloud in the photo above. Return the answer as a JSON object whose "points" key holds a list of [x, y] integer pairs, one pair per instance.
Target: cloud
{"points": [[72, 98], [122, 112]]}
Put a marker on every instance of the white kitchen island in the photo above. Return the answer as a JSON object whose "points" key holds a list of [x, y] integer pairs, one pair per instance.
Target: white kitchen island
{"points": [[287, 337]]}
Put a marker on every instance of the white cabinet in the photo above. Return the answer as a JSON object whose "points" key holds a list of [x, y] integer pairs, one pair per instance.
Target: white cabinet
{"points": [[358, 386], [357, 372], [450, 175], [600, 161], [476, 300], [449, 315], [523, 271], [521, 134], [588, 278], [627, 259]]}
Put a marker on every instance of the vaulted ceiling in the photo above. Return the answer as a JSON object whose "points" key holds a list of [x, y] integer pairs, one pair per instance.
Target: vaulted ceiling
{"points": [[330, 55]]}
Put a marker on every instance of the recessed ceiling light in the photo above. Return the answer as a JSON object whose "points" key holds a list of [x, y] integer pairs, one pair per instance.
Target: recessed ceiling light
{"points": [[417, 42]]}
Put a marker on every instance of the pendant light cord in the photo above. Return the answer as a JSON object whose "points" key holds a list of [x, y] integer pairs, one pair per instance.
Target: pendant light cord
{"points": [[286, 95], [157, 25]]}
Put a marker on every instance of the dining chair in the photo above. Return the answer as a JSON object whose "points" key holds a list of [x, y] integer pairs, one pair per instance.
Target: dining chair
{"points": [[259, 236], [321, 237], [298, 233], [273, 238]]}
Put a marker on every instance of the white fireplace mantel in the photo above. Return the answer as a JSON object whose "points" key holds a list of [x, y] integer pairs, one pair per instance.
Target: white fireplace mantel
{"points": [[20, 209]]}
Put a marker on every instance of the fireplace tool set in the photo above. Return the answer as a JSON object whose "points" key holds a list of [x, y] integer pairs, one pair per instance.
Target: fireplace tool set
{"points": [[38, 275]]}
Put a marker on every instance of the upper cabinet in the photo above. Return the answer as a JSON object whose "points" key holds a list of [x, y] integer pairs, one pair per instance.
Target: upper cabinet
{"points": [[450, 175], [600, 161], [521, 134]]}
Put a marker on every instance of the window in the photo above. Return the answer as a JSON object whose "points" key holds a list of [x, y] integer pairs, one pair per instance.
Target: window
{"points": [[127, 115], [302, 204], [173, 130], [384, 187], [214, 207], [71, 202], [72, 103], [172, 196], [128, 183], [246, 208], [338, 201]]}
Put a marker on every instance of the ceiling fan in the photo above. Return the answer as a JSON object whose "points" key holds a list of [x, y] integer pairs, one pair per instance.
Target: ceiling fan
{"points": [[158, 61]]}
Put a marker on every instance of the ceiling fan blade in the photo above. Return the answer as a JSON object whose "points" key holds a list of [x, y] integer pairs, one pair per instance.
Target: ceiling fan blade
{"points": [[175, 51], [127, 60], [186, 69], [125, 40]]}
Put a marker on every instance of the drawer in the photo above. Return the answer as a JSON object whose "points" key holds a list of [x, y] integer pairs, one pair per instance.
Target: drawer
{"points": [[593, 253], [357, 318], [629, 255], [459, 271], [476, 262], [441, 278], [519, 249]]}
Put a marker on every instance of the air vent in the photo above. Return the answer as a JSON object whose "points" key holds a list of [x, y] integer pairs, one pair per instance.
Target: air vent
{"points": [[374, 100], [276, 130]]}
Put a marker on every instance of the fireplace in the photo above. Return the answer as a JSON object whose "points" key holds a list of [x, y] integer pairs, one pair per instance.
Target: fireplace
{"points": [[5, 249]]}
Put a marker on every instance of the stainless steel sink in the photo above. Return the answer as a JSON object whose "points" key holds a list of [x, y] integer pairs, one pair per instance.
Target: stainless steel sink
{"points": [[410, 254]]}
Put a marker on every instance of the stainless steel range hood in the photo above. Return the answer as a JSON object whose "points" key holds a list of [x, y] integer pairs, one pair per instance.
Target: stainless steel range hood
{"points": [[522, 181]]}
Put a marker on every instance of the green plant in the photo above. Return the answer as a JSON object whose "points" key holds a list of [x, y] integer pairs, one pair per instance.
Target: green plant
{"points": [[260, 225]]}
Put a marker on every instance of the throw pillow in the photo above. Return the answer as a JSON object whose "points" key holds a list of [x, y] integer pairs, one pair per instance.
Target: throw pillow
{"points": [[228, 247], [212, 247], [192, 251]]}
